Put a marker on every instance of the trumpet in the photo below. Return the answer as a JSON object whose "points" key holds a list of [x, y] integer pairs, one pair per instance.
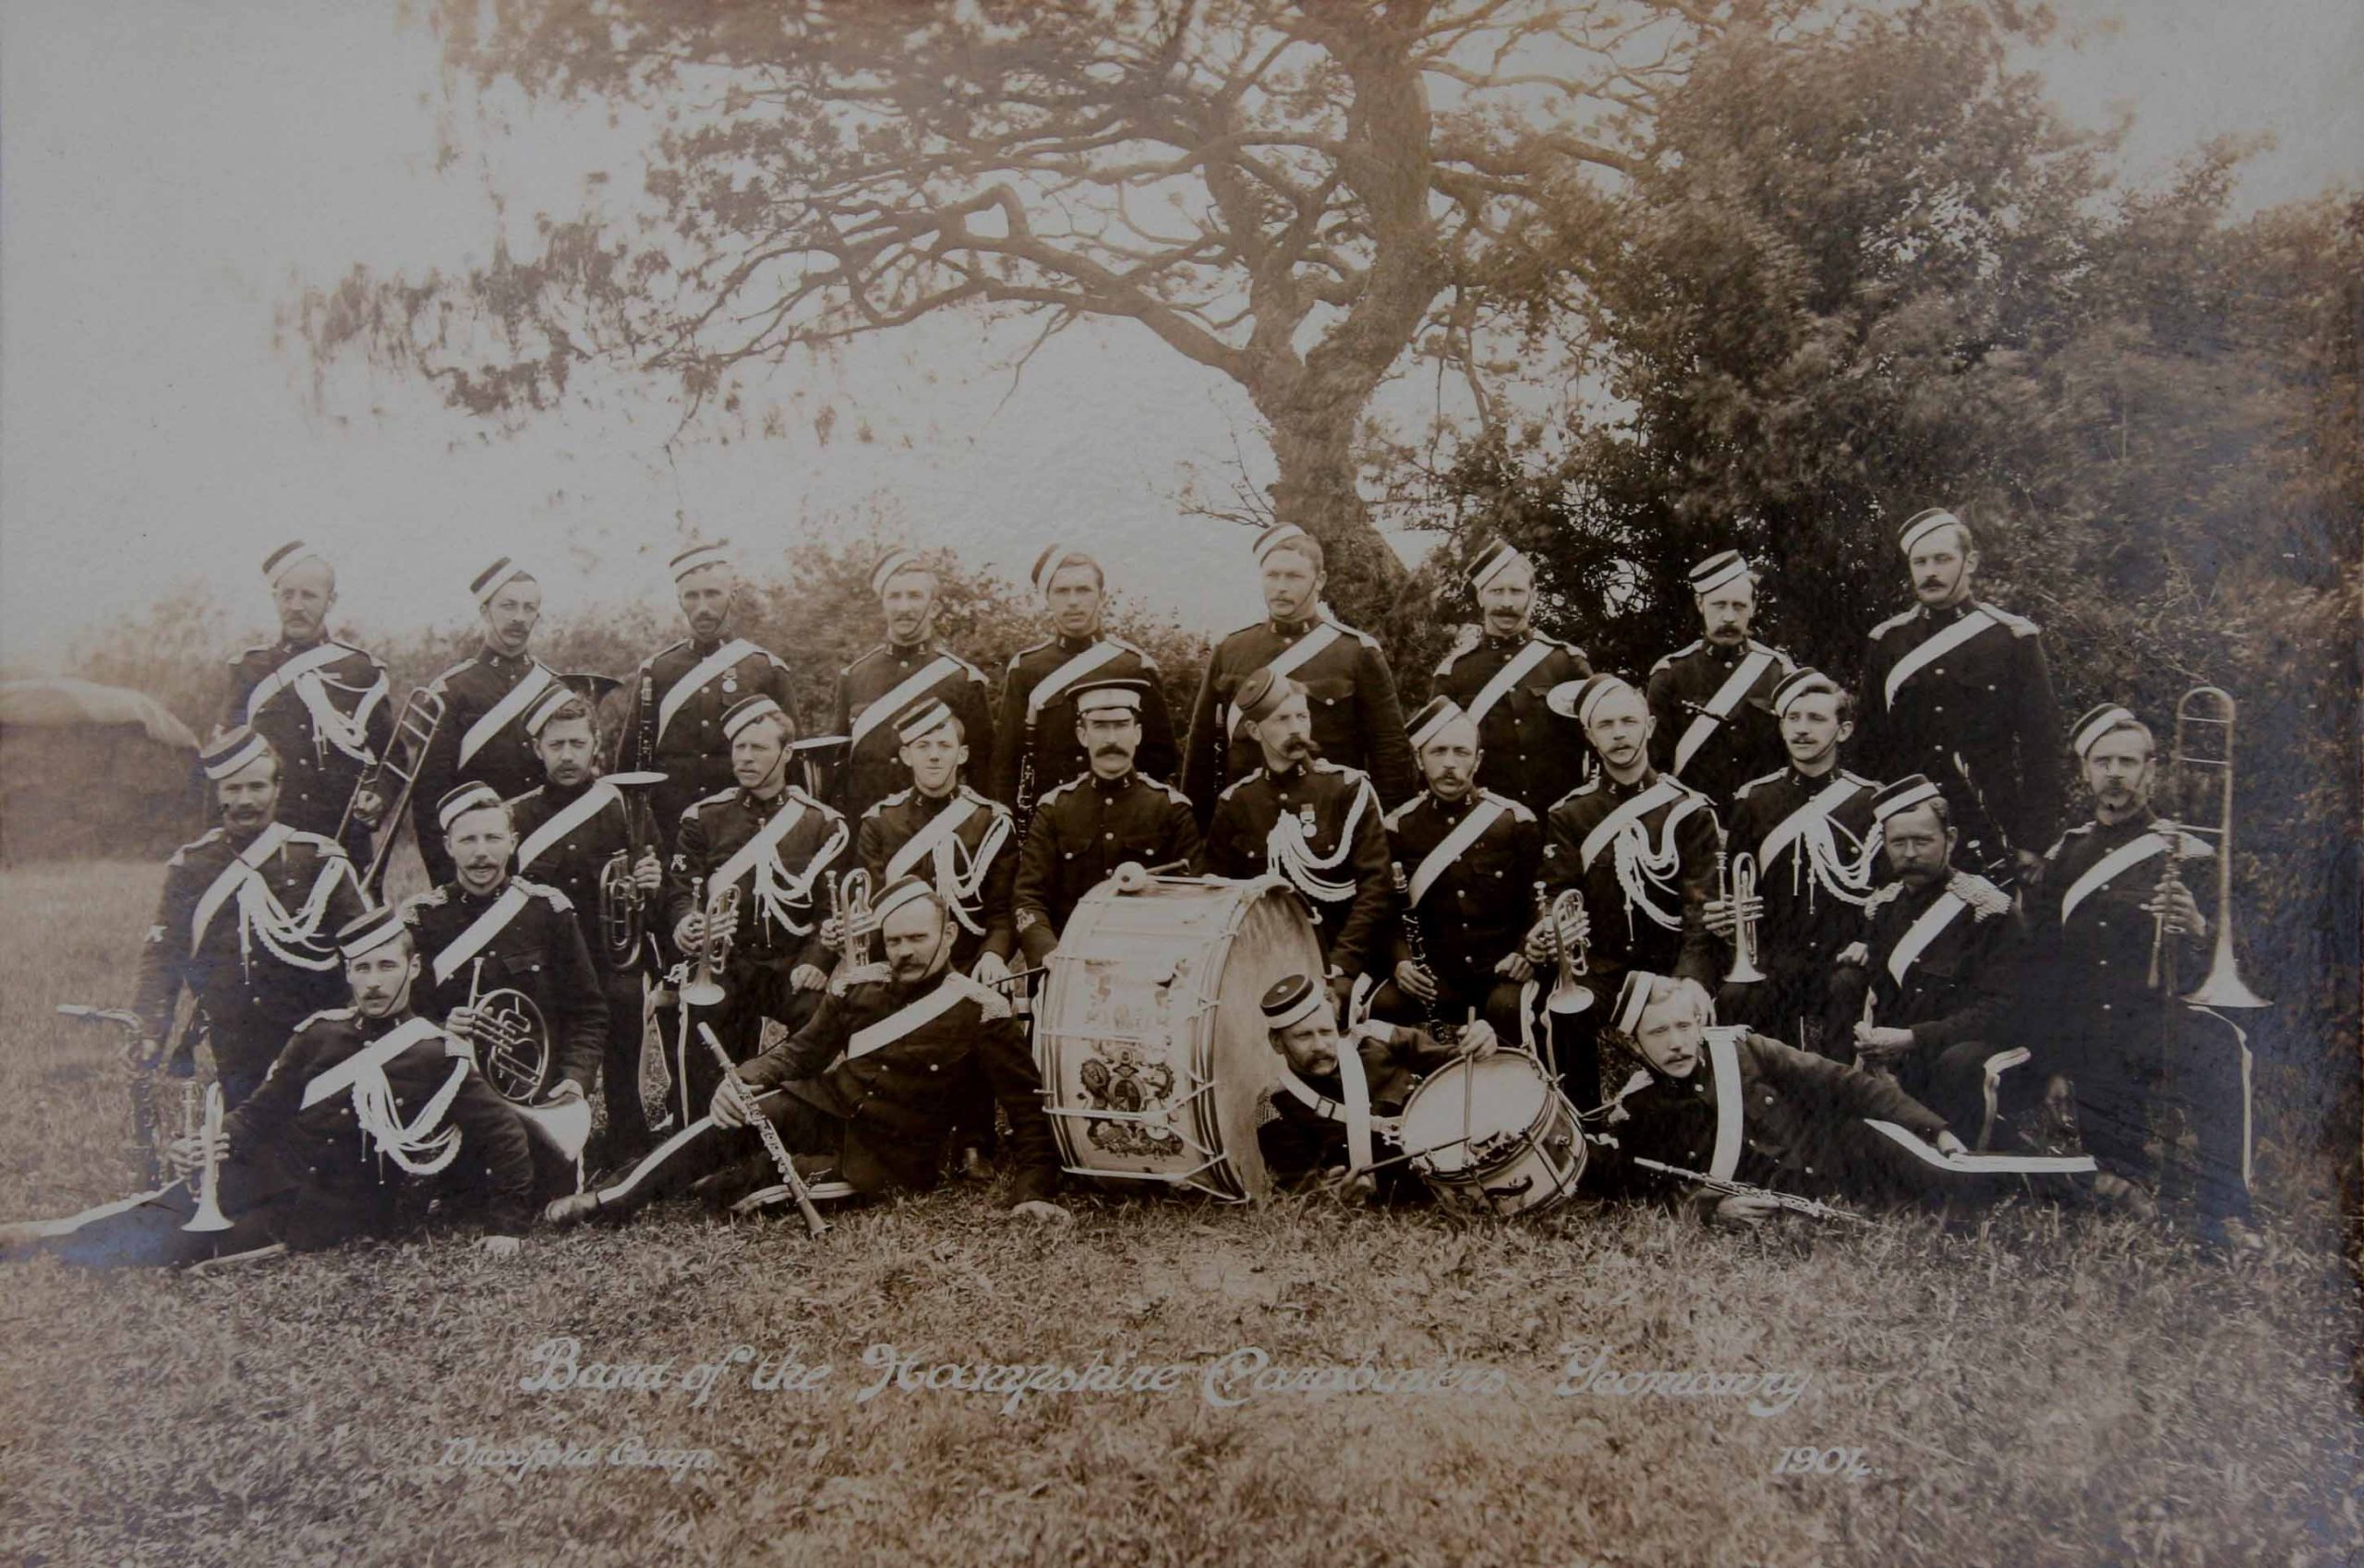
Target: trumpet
{"points": [[856, 891], [1737, 892], [208, 1215], [702, 989], [1569, 994], [2205, 708]]}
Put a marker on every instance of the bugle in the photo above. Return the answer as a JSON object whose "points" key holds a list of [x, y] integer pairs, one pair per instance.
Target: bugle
{"points": [[1736, 892], [2206, 710]]}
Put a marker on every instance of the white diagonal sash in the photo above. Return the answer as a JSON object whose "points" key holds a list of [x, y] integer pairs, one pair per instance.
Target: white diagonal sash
{"points": [[1354, 1092], [288, 674], [1732, 1096], [2103, 871], [903, 1020], [233, 876], [690, 684], [1482, 816], [1944, 643], [923, 679], [1632, 811], [1785, 832], [1047, 690], [923, 843], [1519, 666], [1737, 685], [1289, 661], [577, 812], [499, 716], [1924, 931], [481, 930], [764, 842], [370, 1058], [1980, 1165]]}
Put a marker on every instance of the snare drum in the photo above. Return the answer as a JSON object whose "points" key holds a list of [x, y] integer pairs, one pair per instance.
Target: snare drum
{"points": [[1150, 1033], [1494, 1136]]}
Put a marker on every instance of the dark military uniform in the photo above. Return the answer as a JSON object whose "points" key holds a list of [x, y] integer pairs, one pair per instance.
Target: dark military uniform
{"points": [[685, 715], [770, 944], [1532, 754], [1818, 861], [882, 1110], [253, 991], [1299, 1140], [536, 948], [571, 860], [1473, 914], [985, 921], [1083, 831], [1345, 832], [1356, 722], [1986, 700], [1744, 743], [308, 1176], [1959, 973], [1045, 730], [318, 761], [883, 686], [482, 738], [1679, 828], [2090, 1001]]}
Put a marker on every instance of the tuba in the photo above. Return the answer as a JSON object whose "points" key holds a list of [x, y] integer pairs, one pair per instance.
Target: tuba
{"points": [[1736, 890], [2195, 769]]}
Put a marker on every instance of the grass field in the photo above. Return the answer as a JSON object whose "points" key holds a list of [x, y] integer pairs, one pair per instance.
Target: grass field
{"points": [[2043, 1391]]}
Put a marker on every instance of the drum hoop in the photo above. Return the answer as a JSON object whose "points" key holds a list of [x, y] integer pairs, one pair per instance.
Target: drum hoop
{"points": [[1476, 1170]]}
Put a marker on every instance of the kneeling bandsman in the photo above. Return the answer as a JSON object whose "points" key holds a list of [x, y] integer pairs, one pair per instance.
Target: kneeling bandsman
{"points": [[1312, 823], [1469, 855], [866, 1088], [368, 1112]]}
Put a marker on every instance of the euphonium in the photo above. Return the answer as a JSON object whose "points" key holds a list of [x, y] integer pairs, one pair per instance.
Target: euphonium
{"points": [[621, 902], [2209, 707], [1737, 892]]}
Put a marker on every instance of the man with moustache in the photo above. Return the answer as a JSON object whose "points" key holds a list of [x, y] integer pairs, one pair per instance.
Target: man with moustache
{"points": [[1349, 691], [1710, 707], [2113, 891], [568, 830], [1310, 821], [864, 1091], [1958, 689], [1097, 820], [890, 682], [1808, 829], [1037, 744], [367, 1112], [486, 930], [1502, 681], [1466, 858], [774, 843], [319, 703], [673, 725], [1640, 850], [241, 924], [1927, 992], [486, 700]]}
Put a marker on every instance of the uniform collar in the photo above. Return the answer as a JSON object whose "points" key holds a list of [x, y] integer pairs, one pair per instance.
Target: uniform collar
{"points": [[1072, 645], [1511, 643], [493, 658], [1296, 773], [1617, 791], [755, 802], [909, 651], [377, 1028], [706, 646], [463, 895], [1721, 655], [552, 790], [1291, 628], [1115, 786], [1812, 782], [1452, 810], [931, 804], [2126, 827], [291, 648]]}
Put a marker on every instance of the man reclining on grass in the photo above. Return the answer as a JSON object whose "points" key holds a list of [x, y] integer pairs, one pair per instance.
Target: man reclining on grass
{"points": [[290, 1171], [868, 1088]]}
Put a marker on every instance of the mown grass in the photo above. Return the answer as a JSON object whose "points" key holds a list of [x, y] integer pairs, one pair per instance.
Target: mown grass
{"points": [[2044, 1390]]}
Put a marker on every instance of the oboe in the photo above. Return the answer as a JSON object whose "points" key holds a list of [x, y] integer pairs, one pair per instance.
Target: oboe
{"points": [[1814, 1207], [1441, 1030], [770, 1135]]}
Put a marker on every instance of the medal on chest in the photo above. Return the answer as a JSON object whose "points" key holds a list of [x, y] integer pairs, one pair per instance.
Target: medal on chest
{"points": [[730, 683], [1304, 818]]}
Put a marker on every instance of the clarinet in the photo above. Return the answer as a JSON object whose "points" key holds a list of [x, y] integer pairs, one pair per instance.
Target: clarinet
{"points": [[1022, 808], [781, 1159], [1416, 941], [1812, 1207], [647, 758]]}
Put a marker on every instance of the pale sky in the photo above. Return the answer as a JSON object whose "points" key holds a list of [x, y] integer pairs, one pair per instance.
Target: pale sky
{"points": [[169, 169]]}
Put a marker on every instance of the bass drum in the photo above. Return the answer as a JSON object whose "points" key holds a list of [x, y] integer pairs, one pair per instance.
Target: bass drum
{"points": [[1150, 1029]]}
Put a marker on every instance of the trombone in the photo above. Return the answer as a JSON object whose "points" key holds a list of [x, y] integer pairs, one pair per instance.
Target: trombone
{"points": [[1736, 892], [2195, 767], [422, 715]]}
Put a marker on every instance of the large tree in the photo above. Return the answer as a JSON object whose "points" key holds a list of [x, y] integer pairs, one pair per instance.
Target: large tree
{"points": [[1291, 193]]}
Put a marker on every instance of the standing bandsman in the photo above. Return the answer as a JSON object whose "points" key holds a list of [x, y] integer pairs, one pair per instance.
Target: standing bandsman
{"points": [[1469, 856], [2112, 897], [775, 844], [950, 837], [1037, 743], [1808, 830], [241, 922], [680, 694], [1640, 850], [1088, 827], [486, 700], [568, 831], [1314, 824], [1958, 689], [487, 931], [1350, 693], [1711, 703], [1504, 681], [319, 703], [1927, 991], [891, 681]]}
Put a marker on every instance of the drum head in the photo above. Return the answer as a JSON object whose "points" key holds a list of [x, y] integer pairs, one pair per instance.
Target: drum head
{"points": [[1500, 1096]]}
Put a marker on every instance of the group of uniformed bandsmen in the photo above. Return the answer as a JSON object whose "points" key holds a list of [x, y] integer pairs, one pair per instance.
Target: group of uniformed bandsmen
{"points": [[1922, 960]]}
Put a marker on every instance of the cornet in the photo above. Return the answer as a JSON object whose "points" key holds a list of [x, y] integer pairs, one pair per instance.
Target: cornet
{"points": [[208, 1215], [1569, 993], [1737, 892], [702, 989]]}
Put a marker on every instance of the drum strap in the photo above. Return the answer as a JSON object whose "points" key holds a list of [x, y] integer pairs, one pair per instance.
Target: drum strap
{"points": [[1724, 1060], [1355, 1088], [1331, 1110]]}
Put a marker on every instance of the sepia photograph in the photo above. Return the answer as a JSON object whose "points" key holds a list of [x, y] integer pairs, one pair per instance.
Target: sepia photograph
{"points": [[1025, 782]]}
